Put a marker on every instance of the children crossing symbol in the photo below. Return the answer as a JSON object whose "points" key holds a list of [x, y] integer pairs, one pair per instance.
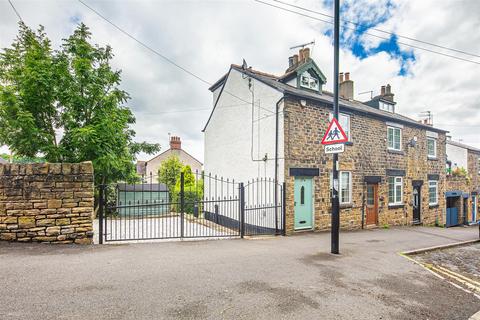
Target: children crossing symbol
{"points": [[334, 134]]}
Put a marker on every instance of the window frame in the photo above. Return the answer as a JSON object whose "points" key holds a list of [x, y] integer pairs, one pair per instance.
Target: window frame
{"points": [[435, 182], [307, 75], [340, 197], [384, 106], [395, 184], [348, 132], [434, 155], [393, 142]]}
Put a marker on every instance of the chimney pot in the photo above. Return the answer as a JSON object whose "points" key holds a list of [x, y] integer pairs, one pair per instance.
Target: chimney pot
{"points": [[300, 55], [341, 77], [306, 54], [388, 89], [175, 143], [290, 61], [347, 76], [382, 91], [295, 59]]}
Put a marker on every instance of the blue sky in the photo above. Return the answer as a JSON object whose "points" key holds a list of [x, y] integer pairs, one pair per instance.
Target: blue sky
{"points": [[210, 35], [352, 36]]}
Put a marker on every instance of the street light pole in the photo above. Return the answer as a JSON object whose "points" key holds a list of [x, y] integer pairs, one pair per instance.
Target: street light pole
{"points": [[335, 200]]}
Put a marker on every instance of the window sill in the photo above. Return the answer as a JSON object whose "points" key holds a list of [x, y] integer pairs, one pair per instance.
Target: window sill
{"points": [[432, 158], [395, 206], [346, 205], [432, 206], [394, 151]]}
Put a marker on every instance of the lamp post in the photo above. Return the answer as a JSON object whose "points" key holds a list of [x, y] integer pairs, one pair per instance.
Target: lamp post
{"points": [[335, 200]]}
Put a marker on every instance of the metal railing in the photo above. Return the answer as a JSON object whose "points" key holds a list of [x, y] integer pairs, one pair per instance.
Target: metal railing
{"points": [[205, 207]]}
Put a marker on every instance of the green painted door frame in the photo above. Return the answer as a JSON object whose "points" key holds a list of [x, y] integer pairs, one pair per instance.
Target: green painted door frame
{"points": [[303, 212]]}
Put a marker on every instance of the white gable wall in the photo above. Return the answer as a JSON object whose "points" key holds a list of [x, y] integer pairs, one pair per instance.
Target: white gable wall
{"points": [[229, 149], [458, 156]]}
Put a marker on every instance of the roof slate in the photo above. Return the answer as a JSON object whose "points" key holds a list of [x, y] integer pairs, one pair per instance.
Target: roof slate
{"points": [[327, 97], [462, 145]]}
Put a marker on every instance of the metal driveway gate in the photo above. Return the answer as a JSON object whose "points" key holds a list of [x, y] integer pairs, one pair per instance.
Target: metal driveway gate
{"points": [[199, 206]]}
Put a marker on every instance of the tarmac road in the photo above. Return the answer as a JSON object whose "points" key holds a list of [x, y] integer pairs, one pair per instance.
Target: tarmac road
{"points": [[269, 278]]}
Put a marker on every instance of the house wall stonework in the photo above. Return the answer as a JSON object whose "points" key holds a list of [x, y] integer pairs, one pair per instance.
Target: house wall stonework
{"points": [[366, 155], [474, 169], [463, 184], [469, 185], [47, 202]]}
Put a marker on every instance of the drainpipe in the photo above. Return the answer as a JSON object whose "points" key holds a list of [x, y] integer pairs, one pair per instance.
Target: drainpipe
{"points": [[363, 207], [277, 108]]}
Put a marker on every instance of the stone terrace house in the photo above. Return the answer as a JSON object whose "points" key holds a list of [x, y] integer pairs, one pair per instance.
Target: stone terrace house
{"points": [[463, 182], [392, 170]]}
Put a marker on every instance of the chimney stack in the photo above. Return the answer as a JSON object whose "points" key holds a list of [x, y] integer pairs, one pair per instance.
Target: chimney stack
{"points": [[175, 143], [387, 93], [346, 86]]}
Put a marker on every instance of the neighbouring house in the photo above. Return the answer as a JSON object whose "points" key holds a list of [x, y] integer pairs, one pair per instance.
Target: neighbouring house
{"points": [[142, 199], [262, 125], [463, 184], [150, 168]]}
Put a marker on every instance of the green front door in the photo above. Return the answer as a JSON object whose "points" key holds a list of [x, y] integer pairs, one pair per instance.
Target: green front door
{"points": [[303, 203]]}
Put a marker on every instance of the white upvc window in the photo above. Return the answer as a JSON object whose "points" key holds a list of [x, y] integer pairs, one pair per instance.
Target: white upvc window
{"points": [[344, 121], [433, 192], [308, 81], [386, 106], [394, 138], [345, 186], [431, 147], [395, 190]]}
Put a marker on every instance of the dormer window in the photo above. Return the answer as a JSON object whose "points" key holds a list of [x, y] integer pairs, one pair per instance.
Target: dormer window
{"points": [[309, 82], [386, 106]]}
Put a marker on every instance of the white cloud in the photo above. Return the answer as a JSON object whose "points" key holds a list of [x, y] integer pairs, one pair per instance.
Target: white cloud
{"points": [[206, 36]]}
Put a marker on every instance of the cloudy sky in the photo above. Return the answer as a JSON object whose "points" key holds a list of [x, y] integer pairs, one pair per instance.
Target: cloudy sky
{"points": [[206, 36]]}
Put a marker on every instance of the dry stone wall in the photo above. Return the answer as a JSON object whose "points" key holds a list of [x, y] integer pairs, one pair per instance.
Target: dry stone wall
{"points": [[47, 202]]}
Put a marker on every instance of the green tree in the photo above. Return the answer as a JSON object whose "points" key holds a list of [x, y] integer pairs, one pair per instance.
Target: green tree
{"points": [[74, 90], [17, 159], [28, 110], [169, 172]]}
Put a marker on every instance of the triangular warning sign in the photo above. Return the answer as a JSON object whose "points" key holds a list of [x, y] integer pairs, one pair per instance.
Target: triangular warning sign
{"points": [[334, 134]]}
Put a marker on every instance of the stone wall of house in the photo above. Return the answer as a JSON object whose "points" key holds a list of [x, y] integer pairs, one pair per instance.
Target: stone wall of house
{"points": [[459, 183], [468, 185], [47, 202], [474, 169], [474, 172], [366, 155]]}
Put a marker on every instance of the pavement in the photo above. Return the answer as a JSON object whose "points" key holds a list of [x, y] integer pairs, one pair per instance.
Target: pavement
{"points": [[291, 277]]}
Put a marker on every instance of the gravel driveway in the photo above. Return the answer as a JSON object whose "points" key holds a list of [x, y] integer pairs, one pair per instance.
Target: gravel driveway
{"points": [[269, 278]]}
